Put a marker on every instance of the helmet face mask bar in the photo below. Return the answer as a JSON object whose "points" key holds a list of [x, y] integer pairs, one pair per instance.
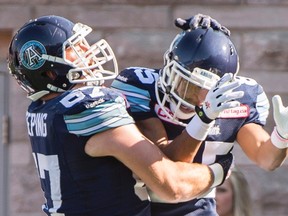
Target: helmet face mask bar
{"points": [[90, 63], [42, 45], [179, 82], [193, 62]]}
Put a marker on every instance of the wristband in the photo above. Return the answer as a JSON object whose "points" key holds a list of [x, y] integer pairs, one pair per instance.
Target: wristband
{"points": [[197, 129], [277, 140], [218, 173], [202, 115]]}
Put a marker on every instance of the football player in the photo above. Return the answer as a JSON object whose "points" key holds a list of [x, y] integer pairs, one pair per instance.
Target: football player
{"points": [[87, 149], [180, 95]]}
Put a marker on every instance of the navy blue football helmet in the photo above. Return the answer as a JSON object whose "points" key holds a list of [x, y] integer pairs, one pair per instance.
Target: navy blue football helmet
{"points": [[40, 46], [196, 57]]}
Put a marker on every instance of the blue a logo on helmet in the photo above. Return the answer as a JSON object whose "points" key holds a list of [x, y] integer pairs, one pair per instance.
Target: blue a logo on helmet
{"points": [[31, 55]]}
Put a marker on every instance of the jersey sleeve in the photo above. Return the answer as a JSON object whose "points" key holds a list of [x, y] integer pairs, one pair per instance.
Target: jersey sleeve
{"points": [[137, 84], [103, 113], [257, 100]]}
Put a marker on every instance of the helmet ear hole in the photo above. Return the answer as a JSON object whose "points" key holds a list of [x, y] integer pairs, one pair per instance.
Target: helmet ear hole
{"points": [[16, 61], [232, 50], [51, 74]]}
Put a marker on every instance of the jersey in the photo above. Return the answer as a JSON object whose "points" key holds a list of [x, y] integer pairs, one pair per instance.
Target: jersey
{"points": [[138, 85], [74, 183]]}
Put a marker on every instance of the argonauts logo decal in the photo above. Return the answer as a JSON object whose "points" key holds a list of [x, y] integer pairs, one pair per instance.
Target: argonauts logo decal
{"points": [[31, 55]]}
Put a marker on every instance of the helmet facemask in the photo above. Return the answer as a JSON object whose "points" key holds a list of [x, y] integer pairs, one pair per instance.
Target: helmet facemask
{"points": [[178, 84], [88, 66]]}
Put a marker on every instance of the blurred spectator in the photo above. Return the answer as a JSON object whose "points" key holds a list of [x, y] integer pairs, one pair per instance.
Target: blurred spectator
{"points": [[233, 196]]}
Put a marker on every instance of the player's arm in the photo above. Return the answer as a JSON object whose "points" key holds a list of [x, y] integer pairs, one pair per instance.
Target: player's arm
{"points": [[172, 181], [154, 130], [183, 148], [200, 21], [269, 152], [257, 145]]}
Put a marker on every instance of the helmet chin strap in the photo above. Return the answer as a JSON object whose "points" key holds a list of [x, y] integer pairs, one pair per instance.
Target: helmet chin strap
{"points": [[38, 95], [175, 108]]}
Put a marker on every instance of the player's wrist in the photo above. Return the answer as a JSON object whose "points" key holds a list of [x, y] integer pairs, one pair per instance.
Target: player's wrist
{"points": [[198, 129], [277, 140], [218, 174], [202, 115]]}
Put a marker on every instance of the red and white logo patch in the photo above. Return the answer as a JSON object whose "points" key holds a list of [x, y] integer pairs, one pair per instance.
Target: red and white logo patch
{"points": [[237, 112], [162, 115]]}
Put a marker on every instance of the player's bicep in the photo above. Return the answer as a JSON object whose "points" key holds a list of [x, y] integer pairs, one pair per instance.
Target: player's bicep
{"points": [[129, 146], [250, 137]]}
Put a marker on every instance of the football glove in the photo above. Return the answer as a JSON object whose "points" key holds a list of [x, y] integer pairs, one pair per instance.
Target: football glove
{"points": [[279, 136], [219, 98], [200, 20]]}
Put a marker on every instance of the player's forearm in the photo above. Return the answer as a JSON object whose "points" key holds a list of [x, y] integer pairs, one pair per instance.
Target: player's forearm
{"points": [[182, 148], [271, 157], [172, 181], [185, 182]]}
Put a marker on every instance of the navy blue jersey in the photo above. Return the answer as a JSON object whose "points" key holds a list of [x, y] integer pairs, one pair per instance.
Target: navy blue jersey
{"points": [[73, 182], [138, 85]]}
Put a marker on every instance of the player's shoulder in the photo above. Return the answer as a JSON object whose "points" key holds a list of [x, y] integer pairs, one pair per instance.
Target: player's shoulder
{"points": [[138, 75], [253, 91], [250, 84], [247, 81], [88, 97]]}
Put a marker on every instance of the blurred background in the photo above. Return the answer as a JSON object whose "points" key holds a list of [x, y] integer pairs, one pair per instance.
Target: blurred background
{"points": [[140, 31]]}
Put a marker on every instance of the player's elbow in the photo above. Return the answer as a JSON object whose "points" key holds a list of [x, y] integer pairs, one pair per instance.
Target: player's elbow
{"points": [[180, 192], [269, 165], [174, 196], [273, 166], [177, 196]]}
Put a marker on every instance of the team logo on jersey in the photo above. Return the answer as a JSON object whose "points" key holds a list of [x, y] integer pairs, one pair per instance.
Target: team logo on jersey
{"points": [[31, 55], [162, 114], [215, 130], [237, 112]]}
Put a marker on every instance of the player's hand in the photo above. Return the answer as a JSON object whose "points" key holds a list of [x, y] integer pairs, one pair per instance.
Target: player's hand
{"points": [[280, 114], [219, 98], [200, 20], [221, 169]]}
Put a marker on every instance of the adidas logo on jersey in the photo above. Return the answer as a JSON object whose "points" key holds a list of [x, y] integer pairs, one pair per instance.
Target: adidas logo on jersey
{"points": [[122, 78]]}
